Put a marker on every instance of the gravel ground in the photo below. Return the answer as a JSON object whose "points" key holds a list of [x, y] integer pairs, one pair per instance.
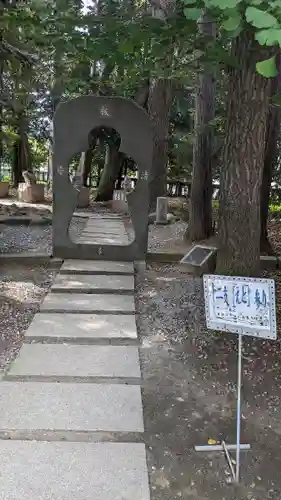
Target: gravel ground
{"points": [[171, 237], [22, 289], [162, 237], [16, 239], [189, 395]]}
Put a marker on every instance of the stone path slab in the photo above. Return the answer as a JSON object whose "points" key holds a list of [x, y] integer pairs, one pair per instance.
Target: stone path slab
{"points": [[83, 327], [95, 266], [104, 230], [102, 240], [73, 471], [70, 407], [75, 283], [105, 224], [101, 232], [115, 229], [81, 302], [59, 360]]}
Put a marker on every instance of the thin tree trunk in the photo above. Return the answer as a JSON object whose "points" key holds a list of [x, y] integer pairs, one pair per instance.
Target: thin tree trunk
{"points": [[159, 107], [200, 212], [87, 166], [271, 151], [22, 159], [109, 174], [243, 160], [88, 159]]}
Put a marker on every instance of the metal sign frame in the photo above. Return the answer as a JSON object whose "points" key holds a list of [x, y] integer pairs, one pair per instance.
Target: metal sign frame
{"points": [[240, 330], [202, 262]]}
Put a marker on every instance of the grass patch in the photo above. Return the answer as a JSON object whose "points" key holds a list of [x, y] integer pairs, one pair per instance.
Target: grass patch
{"points": [[272, 208]]}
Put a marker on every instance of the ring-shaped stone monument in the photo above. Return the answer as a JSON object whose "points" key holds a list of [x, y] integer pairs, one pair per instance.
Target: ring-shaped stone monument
{"points": [[73, 122]]}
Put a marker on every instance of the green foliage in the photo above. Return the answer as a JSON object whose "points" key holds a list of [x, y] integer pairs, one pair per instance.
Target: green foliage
{"points": [[232, 23], [260, 18], [192, 13], [233, 16], [267, 68]]}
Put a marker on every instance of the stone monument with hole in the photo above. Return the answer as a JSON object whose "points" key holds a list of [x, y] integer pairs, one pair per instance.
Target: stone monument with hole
{"points": [[73, 122]]}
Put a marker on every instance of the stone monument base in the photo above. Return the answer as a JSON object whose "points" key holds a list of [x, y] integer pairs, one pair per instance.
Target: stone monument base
{"points": [[83, 197], [4, 189], [31, 193]]}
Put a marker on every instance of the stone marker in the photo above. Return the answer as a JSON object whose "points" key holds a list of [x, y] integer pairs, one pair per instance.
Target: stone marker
{"points": [[70, 407], [99, 284], [96, 267], [127, 185], [85, 303], [82, 327], [73, 471], [200, 259], [59, 360], [161, 210]]}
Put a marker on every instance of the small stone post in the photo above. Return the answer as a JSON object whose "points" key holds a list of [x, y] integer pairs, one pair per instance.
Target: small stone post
{"points": [[162, 210], [127, 185]]}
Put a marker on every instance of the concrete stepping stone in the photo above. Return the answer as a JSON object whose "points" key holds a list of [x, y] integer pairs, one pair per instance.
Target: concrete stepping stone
{"points": [[104, 224], [96, 267], [100, 232], [59, 360], [104, 228], [85, 303], [72, 407], [88, 283], [81, 327], [102, 240], [73, 471]]}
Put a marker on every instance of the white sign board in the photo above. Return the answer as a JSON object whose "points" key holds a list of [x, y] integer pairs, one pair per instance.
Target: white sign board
{"points": [[245, 306]]}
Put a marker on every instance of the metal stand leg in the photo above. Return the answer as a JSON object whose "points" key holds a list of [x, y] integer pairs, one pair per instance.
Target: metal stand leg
{"points": [[238, 416], [223, 447]]}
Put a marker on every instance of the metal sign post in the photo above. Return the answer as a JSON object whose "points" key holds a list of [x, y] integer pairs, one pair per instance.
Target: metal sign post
{"points": [[238, 414], [245, 306]]}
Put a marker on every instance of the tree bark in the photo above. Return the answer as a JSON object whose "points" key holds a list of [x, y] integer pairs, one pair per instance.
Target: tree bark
{"points": [[271, 152], [243, 160], [109, 174], [200, 211], [1, 109], [22, 159], [159, 106], [87, 166]]}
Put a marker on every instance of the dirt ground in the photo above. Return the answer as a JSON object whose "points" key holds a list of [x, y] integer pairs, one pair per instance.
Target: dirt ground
{"points": [[189, 396], [22, 288]]}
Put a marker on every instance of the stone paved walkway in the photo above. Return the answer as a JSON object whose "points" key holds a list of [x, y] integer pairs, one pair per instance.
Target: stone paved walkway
{"points": [[71, 420]]}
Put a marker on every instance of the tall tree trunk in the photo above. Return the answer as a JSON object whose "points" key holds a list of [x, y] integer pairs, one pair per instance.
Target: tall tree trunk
{"points": [[1, 111], [109, 174], [200, 212], [159, 106], [271, 151], [22, 158], [88, 159], [87, 166], [243, 160]]}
